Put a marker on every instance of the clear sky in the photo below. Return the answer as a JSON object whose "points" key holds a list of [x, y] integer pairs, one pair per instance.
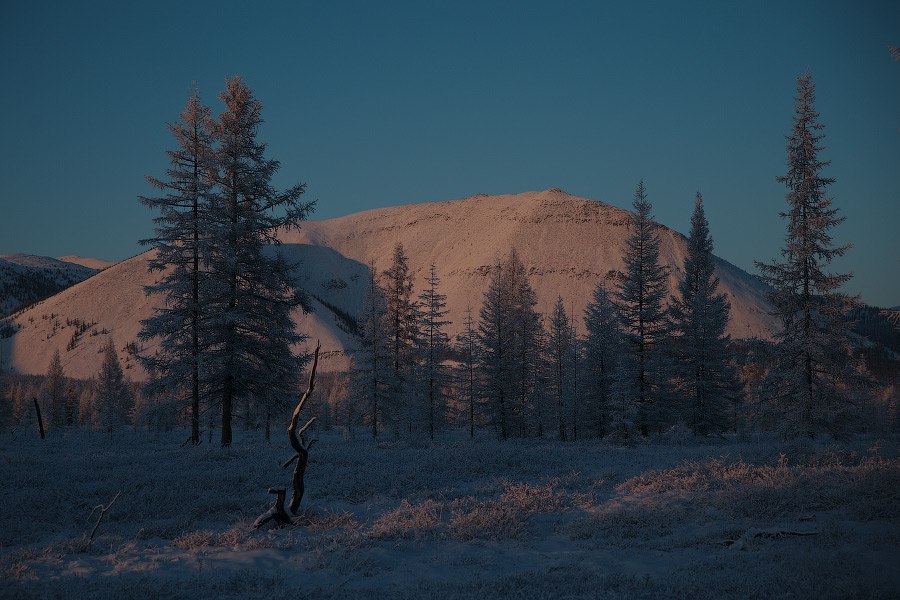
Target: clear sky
{"points": [[380, 103]]}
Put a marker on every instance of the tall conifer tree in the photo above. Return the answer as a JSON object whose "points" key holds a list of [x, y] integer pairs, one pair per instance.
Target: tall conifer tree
{"points": [[561, 350], [495, 349], [510, 348], [643, 377], [55, 392], [602, 347], [812, 346], [434, 347], [706, 376], [527, 345], [181, 232], [114, 401], [401, 324], [467, 349], [249, 340], [371, 372]]}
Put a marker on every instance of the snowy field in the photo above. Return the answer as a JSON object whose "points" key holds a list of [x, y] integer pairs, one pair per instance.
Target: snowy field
{"points": [[455, 519]]}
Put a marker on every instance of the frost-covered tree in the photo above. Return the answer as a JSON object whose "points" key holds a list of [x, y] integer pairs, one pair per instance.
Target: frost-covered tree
{"points": [[509, 334], [248, 336], [643, 377], [73, 391], [813, 364], [54, 392], [602, 347], [6, 401], [561, 359], [528, 344], [371, 369], [434, 348], [467, 382], [707, 380], [113, 398], [537, 406], [180, 239], [495, 349], [21, 398], [401, 314], [577, 357]]}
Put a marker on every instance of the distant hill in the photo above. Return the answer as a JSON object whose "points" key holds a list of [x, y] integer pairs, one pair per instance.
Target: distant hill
{"points": [[98, 264], [568, 245], [25, 278]]}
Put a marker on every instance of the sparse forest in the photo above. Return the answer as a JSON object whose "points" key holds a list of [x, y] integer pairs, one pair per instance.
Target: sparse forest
{"points": [[649, 361], [637, 428]]}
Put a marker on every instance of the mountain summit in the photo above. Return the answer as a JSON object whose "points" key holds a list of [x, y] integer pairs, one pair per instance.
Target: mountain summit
{"points": [[568, 245]]}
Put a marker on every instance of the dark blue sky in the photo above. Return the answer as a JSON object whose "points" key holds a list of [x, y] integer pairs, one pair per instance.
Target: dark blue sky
{"points": [[373, 104]]}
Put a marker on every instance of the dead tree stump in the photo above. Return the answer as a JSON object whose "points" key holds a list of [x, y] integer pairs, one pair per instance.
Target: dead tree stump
{"points": [[301, 448], [275, 513]]}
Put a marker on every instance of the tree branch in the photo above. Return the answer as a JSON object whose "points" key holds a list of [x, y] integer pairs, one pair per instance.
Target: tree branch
{"points": [[103, 510]]}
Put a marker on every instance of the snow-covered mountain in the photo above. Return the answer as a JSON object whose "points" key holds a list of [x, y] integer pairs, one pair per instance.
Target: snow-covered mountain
{"points": [[25, 278], [568, 244]]}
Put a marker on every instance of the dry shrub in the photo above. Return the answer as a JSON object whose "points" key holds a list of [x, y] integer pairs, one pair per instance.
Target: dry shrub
{"points": [[493, 519], [715, 474], [408, 521], [664, 508], [641, 519], [14, 570], [193, 540], [507, 516], [869, 488], [543, 498], [238, 537], [325, 519]]}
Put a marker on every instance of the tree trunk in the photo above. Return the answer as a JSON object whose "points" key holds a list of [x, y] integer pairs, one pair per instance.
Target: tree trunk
{"points": [[195, 317], [37, 409], [227, 397]]}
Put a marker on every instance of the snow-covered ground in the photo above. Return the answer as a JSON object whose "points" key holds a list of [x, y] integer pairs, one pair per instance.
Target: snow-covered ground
{"points": [[739, 518]]}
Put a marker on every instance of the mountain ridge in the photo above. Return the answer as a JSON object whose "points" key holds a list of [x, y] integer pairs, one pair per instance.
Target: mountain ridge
{"points": [[26, 278], [567, 244]]}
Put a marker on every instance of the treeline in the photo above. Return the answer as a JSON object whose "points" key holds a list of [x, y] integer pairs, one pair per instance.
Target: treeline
{"points": [[643, 363], [107, 402], [646, 362]]}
